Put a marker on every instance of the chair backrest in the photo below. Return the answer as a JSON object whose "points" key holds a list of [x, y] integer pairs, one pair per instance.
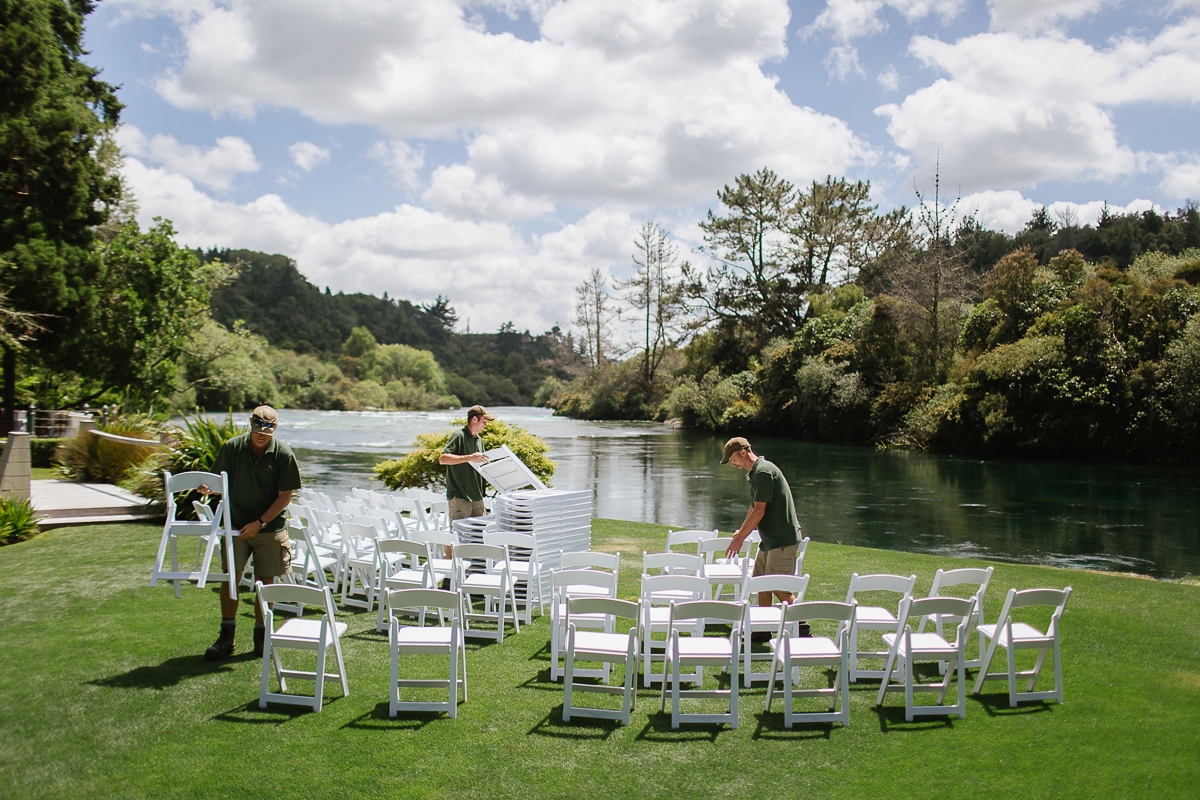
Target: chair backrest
{"points": [[295, 594], [672, 563], [881, 583], [589, 559], [715, 547], [1055, 598], [360, 538], [426, 598], [678, 538], [521, 546], [491, 552], [663, 589], [709, 611], [204, 511], [969, 576], [414, 550], [435, 537], [820, 609], [957, 607], [370, 520], [561, 581], [609, 606], [796, 584]]}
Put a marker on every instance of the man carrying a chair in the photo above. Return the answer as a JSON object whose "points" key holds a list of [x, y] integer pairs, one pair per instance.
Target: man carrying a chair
{"points": [[262, 476], [773, 513]]}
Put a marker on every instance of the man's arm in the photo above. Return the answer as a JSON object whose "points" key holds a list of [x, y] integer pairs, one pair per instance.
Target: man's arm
{"points": [[450, 460], [249, 530], [753, 517]]}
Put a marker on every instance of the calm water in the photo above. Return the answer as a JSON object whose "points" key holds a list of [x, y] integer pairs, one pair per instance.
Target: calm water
{"points": [[1128, 518]]}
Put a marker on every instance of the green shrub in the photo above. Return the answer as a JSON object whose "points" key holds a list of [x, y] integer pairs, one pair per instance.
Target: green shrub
{"points": [[18, 521], [41, 452], [420, 468], [98, 460]]}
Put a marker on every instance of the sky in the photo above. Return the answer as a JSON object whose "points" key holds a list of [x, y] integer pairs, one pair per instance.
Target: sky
{"points": [[496, 151]]}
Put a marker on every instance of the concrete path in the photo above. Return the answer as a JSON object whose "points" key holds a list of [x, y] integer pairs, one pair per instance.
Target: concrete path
{"points": [[70, 503]]}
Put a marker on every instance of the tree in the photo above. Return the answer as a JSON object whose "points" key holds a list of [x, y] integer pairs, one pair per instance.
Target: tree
{"points": [[594, 316], [656, 292], [55, 117]]}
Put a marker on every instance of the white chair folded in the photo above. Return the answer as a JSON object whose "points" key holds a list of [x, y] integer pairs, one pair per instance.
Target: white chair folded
{"points": [[217, 532]]}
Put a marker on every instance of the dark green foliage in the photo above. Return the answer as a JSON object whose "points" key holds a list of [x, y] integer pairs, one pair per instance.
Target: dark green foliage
{"points": [[18, 521], [97, 460], [41, 452]]}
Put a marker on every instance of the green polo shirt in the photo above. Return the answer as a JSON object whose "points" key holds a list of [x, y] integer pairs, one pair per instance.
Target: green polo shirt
{"points": [[255, 483], [779, 526], [461, 479]]}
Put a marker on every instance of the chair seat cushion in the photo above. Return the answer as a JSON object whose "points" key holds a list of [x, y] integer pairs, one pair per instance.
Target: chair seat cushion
{"points": [[923, 643], [427, 635], [1021, 632], [762, 616], [616, 644], [811, 646], [703, 647], [726, 572], [874, 615], [303, 630]]}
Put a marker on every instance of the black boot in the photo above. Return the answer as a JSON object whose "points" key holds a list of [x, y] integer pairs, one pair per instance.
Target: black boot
{"points": [[223, 646], [803, 630], [260, 633]]}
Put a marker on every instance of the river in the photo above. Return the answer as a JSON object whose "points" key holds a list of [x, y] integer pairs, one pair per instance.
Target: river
{"points": [[1109, 517]]}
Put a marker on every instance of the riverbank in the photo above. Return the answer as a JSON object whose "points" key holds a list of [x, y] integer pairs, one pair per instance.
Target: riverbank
{"points": [[105, 693]]}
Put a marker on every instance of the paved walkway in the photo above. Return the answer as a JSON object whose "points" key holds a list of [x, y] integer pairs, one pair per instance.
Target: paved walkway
{"points": [[71, 503]]}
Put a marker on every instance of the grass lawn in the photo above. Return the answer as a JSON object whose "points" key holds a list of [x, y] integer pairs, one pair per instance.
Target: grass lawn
{"points": [[106, 693], [44, 474]]}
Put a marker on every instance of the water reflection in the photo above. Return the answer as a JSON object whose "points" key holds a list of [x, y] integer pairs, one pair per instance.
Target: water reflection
{"points": [[1106, 517]]}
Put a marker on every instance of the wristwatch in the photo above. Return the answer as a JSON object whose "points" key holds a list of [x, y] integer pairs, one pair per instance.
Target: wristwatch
{"points": [[261, 524]]}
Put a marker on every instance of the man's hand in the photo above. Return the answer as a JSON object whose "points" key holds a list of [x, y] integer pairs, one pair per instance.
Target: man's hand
{"points": [[478, 458], [735, 546], [249, 530]]}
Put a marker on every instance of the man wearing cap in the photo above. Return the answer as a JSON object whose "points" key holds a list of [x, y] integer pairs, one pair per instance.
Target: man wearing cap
{"points": [[772, 511], [464, 486], [262, 476]]}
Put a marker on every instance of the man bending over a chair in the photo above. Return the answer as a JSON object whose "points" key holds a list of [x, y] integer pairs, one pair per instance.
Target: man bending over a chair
{"points": [[772, 511], [262, 476]]}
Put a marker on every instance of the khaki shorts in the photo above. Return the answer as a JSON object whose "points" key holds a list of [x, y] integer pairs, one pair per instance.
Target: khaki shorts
{"points": [[461, 508], [272, 554], [780, 561]]}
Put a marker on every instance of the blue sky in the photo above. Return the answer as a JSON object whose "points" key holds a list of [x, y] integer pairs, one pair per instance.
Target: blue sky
{"points": [[496, 151]]}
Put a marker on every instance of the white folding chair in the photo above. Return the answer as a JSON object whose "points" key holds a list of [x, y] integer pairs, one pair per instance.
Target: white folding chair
{"points": [[494, 584], [967, 576], [905, 648], [400, 564], [439, 543], [1013, 636], [792, 652], [525, 567], [874, 618], [684, 538], [577, 583], [359, 564], [606, 647], [421, 640], [698, 650], [316, 558], [766, 618], [219, 532], [300, 634], [657, 594], [720, 571], [671, 564]]}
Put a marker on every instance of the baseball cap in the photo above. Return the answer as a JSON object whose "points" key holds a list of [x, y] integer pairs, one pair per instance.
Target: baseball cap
{"points": [[264, 420], [479, 411], [734, 445]]}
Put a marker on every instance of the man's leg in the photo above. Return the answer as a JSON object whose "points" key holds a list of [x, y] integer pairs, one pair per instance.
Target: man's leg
{"points": [[224, 645]]}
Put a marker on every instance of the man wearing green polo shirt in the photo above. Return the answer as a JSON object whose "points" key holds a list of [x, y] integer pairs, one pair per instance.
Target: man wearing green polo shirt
{"points": [[772, 511], [464, 486], [262, 476]]}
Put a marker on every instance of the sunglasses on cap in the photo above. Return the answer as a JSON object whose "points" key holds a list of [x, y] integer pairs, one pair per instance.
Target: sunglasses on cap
{"points": [[262, 425]]}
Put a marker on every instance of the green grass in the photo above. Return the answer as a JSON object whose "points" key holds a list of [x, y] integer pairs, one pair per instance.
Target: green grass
{"points": [[104, 693], [45, 474]]}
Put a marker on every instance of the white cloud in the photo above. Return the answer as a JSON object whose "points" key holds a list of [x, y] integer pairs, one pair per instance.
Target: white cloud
{"points": [[1037, 15], [179, 10], [307, 155], [889, 79], [1009, 210], [458, 191], [845, 20], [491, 273], [627, 101], [843, 61], [401, 159], [214, 167], [1016, 111], [1181, 177]]}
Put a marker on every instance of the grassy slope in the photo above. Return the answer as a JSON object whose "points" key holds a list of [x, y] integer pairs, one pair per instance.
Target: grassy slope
{"points": [[105, 694]]}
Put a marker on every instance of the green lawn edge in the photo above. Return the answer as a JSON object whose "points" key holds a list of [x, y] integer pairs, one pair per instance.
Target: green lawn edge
{"points": [[105, 694]]}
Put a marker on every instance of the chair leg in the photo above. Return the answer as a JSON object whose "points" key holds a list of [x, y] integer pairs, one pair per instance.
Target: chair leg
{"points": [[733, 685], [337, 651], [395, 688], [1058, 685], [319, 690], [568, 676], [453, 684], [1012, 674], [462, 649], [265, 684], [1037, 669]]}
